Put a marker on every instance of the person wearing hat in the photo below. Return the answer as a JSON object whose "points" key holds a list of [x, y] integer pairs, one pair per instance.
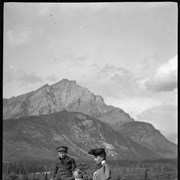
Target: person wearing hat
{"points": [[103, 171], [63, 169]]}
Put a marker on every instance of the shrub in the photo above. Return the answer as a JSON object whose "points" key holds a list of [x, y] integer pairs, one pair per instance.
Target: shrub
{"points": [[12, 176]]}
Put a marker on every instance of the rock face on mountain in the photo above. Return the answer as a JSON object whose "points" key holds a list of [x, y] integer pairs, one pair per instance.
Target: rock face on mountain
{"points": [[140, 138], [64, 95], [36, 137], [146, 135]]}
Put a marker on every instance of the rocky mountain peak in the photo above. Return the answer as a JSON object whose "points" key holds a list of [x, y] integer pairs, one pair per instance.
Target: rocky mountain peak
{"points": [[66, 82], [44, 88], [65, 94], [99, 99]]}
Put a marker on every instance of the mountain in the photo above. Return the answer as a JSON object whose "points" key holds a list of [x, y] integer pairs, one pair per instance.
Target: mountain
{"points": [[64, 95], [145, 134], [36, 137], [69, 96]]}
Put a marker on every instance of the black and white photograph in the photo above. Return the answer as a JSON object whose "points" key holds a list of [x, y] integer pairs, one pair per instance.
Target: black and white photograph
{"points": [[90, 91]]}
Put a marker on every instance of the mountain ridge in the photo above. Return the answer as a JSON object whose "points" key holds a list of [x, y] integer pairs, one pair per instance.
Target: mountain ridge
{"points": [[144, 134], [68, 96], [37, 137], [62, 95]]}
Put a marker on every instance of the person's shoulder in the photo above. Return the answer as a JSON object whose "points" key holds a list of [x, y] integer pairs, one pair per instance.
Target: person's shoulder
{"points": [[105, 164], [70, 158]]}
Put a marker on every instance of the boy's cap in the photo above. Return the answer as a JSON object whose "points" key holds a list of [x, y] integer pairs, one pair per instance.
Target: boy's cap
{"points": [[62, 148]]}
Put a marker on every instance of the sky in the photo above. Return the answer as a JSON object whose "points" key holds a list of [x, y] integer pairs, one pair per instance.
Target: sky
{"points": [[124, 51]]}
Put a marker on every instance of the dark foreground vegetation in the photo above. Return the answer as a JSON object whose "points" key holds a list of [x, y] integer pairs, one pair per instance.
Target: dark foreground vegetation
{"points": [[121, 170]]}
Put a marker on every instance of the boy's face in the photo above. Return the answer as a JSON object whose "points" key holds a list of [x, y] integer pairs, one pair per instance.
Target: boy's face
{"points": [[62, 154], [98, 159]]}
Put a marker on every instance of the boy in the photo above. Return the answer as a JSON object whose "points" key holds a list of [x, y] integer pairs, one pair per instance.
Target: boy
{"points": [[64, 166]]}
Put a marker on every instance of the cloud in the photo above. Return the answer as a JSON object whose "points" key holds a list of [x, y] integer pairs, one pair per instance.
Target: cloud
{"points": [[132, 106], [7, 78], [165, 78], [17, 82], [109, 76], [28, 78], [51, 78], [111, 81], [71, 58], [163, 117], [112, 72], [110, 68], [80, 58], [18, 37], [23, 77]]}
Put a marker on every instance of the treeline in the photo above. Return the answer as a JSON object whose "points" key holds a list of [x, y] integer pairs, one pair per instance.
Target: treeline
{"points": [[21, 167], [171, 163], [41, 170]]}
